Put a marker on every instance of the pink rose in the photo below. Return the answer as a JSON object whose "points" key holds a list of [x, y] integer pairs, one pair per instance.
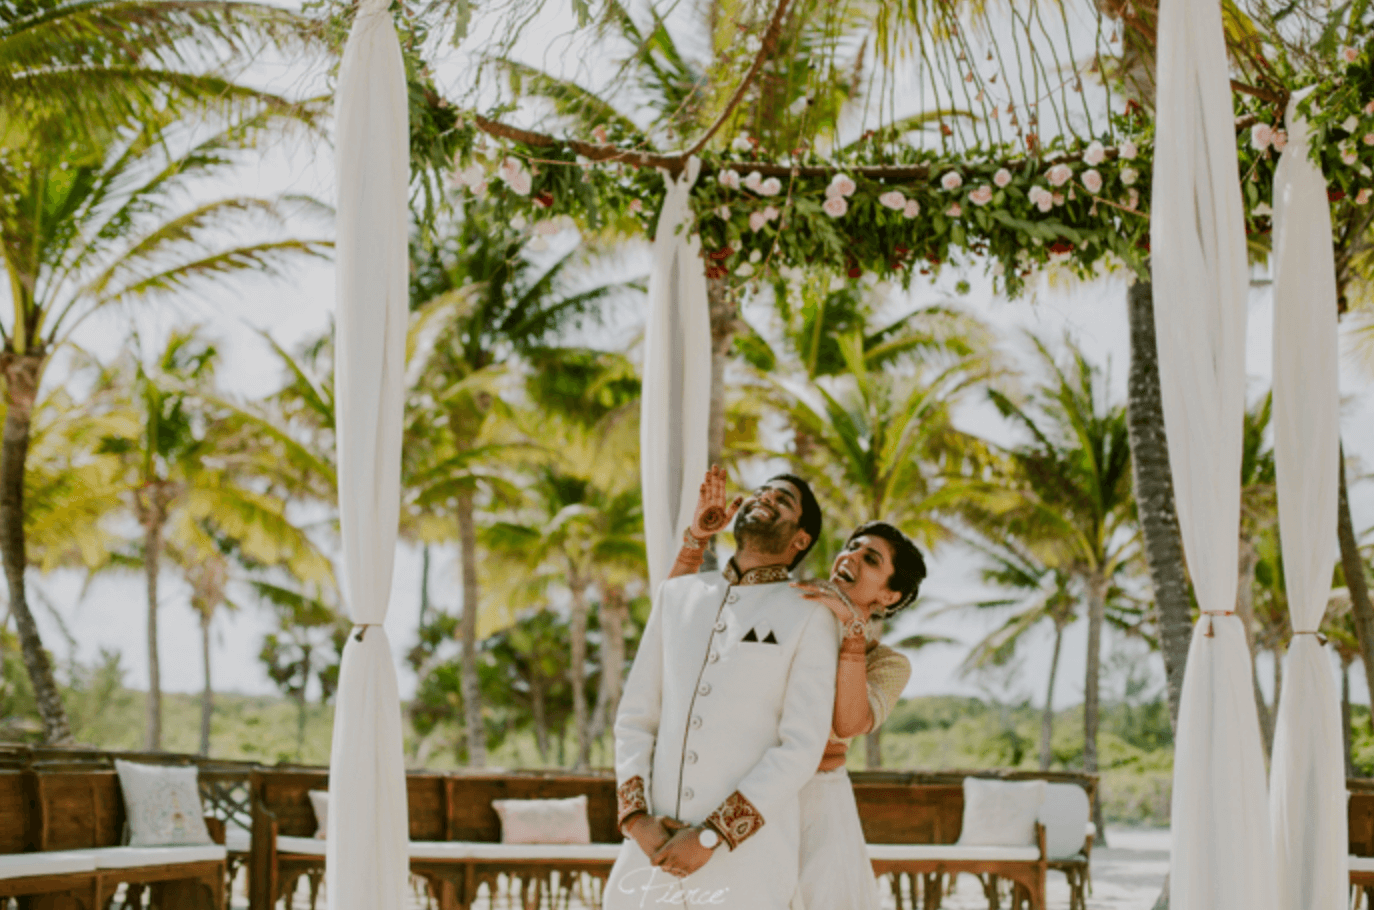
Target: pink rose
{"points": [[981, 196], [1002, 177], [770, 187], [1128, 150], [951, 180], [636, 206], [835, 206], [753, 180], [841, 185], [1094, 154], [728, 179], [1133, 200], [757, 220], [912, 209], [770, 213], [1369, 108], [1058, 198], [1369, 138], [954, 211], [1092, 181], [723, 213], [1042, 198], [1059, 174], [893, 199], [1348, 155], [1362, 196], [1128, 176], [1261, 135], [1349, 54], [1279, 140]]}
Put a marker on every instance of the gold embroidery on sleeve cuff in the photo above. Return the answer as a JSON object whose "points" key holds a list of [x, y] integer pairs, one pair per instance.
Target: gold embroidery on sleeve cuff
{"points": [[630, 800], [736, 819]]}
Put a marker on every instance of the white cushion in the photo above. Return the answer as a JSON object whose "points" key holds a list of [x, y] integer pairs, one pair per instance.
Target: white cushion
{"points": [[496, 852], [238, 840], [56, 862], [1000, 813], [319, 801], [543, 821], [129, 857], [951, 853], [1361, 863], [311, 846], [1064, 814], [163, 805]]}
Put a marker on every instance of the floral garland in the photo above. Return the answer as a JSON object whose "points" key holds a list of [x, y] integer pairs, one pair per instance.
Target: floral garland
{"points": [[1080, 204]]}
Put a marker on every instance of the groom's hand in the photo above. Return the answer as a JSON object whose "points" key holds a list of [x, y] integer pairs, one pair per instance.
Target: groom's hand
{"points": [[683, 854], [651, 832], [712, 514]]}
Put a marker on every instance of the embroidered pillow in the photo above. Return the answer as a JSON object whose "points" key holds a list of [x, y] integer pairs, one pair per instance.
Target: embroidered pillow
{"points": [[319, 801], [1000, 813], [162, 804], [543, 821]]}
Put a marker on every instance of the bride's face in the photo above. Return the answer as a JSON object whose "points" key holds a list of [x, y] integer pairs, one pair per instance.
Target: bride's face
{"points": [[862, 571]]}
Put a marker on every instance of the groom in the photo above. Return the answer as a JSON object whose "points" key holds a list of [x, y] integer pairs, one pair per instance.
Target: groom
{"points": [[724, 718]]}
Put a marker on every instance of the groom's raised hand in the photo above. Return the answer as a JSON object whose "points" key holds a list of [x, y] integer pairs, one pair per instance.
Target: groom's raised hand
{"points": [[712, 514]]}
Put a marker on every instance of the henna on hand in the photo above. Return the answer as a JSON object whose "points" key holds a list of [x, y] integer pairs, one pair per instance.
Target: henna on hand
{"points": [[713, 519]]}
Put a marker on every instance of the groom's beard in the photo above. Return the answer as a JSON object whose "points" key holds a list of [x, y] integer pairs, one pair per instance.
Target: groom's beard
{"points": [[764, 536]]}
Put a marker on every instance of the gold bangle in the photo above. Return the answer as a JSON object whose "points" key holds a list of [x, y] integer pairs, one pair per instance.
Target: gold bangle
{"points": [[691, 541]]}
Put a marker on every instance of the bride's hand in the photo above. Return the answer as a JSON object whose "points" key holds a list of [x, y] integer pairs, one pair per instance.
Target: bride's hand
{"points": [[827, 595], [712, 514]]}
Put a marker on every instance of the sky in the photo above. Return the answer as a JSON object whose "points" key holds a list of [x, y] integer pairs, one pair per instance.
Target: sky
{"points": [[109, 614]]}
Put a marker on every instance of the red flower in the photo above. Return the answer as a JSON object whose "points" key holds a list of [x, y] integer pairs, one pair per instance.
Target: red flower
{"points": [[1061, 246], [901, 250], [855, 271], [1335, 195], [544, 199], [724, 252]]}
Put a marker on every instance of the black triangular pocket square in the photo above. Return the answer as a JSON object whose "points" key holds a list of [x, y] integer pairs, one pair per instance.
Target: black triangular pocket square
{"points": [[750, 636], [769, 639]]}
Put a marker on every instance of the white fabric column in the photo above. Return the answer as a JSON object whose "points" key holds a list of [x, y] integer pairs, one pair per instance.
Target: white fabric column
{"points": [[675, 406], [1222, 854], [1307, 781], [366, 862]]}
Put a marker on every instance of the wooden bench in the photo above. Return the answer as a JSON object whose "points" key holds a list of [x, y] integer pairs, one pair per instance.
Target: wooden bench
{"points": [[455, 834], [1360, 820], [61, 832], [912, 822]]}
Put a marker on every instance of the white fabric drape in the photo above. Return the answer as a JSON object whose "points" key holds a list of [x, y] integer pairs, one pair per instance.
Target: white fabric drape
{"points": [[1307, 780], [366, 863], [1222, 854], [676, 402]]}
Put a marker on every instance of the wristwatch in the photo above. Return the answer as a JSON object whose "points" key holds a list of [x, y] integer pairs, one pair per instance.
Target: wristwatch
{"points": [[708, 837]]}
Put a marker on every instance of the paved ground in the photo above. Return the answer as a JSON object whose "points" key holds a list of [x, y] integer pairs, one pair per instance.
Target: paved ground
{"points": [[1127, 876]]}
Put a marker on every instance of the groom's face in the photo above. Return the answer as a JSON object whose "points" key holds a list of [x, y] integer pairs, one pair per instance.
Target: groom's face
{"points": [[768, 521]]}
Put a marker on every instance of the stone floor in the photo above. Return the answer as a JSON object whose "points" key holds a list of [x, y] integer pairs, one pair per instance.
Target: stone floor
{"points": [[1125, 876]]}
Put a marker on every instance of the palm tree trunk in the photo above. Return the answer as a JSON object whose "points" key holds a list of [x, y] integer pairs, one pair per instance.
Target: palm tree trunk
{"points": [[1353, 569], [541, 718], [152, 560], [1154, 494], [1245, 609], [22, 375], [207, 695], [471, 690], [1346, 731], [1047, 719], [614, 612], [577, 666], [1097, 611]]}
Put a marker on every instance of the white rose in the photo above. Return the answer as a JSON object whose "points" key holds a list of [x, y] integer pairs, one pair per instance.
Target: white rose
{"points": [[893, 199], [770, 187], [515, 176], [1279, 140], [744, 270], [1059, 174], [951, 180], [1002, 177], [1092, 181], [1128, 150], [757, 220], [1094, 154], [1129, 176], [770, 213], [835, 206], [741, 143], [841, 185], [728, 179], [981, 196], [954, 210], [912, 209], [723, 213], [753, 180], [1350, 124]]}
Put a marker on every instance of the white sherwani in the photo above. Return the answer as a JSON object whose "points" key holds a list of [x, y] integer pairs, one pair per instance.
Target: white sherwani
{"points": [[725, 715]]}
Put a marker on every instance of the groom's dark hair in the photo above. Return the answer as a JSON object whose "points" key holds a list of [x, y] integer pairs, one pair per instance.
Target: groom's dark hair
{"points": [[810, 520]]}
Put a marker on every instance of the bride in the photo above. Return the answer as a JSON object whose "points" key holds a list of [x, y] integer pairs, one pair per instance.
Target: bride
{"points": [[878, 573]]}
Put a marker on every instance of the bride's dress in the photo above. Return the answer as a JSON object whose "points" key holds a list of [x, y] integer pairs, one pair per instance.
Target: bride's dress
{"points": [[836, 873]]}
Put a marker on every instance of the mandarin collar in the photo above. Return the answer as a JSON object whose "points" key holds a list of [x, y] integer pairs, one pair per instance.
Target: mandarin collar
{"points": [[763, 575]]}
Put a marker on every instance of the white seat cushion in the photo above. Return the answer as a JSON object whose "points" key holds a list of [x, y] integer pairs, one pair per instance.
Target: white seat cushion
{"points": [[310, 846], [499, 852], [57, 862], [951, 853], [1362, 863], [237, 840], [130, 857]]}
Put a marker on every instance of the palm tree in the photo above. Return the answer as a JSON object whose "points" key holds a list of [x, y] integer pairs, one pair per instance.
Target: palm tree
{"points": [[479, 297], [1073, 478], [80, 235], [208, 576], [1259, 511], [191, 476]]}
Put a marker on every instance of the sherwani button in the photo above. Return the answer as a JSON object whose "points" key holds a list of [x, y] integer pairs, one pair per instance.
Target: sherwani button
{"points": [[691, 758], [696, 721], [714, 656], [733, 598], [688, 794], [720, 625], [704, 689]]}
